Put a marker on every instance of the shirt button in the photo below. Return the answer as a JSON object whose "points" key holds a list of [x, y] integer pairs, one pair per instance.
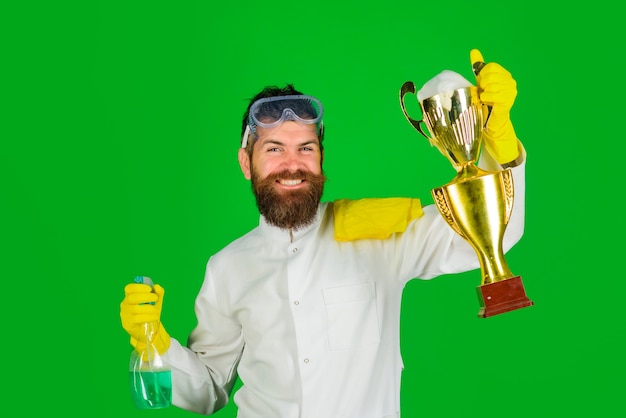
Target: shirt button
{"points": [[296, 302], [295, 250], [306, 361]]}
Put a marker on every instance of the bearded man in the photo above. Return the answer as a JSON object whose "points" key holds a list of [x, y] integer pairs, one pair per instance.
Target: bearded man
{"points": [[305, 308]]}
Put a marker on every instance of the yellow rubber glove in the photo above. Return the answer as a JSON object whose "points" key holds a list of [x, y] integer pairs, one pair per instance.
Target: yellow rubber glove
{"points": [[373, 218], [142, 304], [497, 89]]}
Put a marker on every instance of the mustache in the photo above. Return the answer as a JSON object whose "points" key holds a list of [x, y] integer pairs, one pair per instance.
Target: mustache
{"points": [[295, 175]]}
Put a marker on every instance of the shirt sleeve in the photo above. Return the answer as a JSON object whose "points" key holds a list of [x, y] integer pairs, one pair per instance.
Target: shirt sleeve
{"points": [[203, 375]]}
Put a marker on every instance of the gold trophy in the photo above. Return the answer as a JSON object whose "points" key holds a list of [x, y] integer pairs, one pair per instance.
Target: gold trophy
{"points": [[477, 204]]}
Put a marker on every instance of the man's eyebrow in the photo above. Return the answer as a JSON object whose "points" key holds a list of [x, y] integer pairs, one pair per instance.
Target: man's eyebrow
{"points": [[270, 141], [309, 142]]}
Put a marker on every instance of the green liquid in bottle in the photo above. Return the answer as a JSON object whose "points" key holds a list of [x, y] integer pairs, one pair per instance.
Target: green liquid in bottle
{"points": [[151, 390]]}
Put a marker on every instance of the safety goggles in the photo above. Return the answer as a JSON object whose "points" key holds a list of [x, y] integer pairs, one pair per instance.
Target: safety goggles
{"points": [[270, 112]]}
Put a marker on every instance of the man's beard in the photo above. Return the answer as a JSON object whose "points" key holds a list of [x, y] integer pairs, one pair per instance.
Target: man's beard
{"points": [[286, 209]]}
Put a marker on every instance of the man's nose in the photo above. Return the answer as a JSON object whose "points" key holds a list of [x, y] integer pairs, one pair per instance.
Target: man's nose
{"points": [[292, 161]]}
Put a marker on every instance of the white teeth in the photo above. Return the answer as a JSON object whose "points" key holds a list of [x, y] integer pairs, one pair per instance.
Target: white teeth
{"points": [[290, 182]]}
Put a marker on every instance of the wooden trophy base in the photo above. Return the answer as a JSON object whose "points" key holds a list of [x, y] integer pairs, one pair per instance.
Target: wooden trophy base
{"points": [[503, 296]]}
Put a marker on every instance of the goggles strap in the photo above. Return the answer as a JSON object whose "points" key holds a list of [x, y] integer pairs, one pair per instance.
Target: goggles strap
{"points": [[244, 138]]}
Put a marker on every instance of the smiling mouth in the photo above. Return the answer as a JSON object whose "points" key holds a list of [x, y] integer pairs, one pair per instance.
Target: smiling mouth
{"points": [[284, 182]]}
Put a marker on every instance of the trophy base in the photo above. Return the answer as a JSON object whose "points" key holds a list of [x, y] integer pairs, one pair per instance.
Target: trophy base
{"points": [[503, 296]]}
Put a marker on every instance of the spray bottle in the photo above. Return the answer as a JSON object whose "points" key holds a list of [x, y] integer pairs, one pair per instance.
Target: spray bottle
{"points": [[150, 371]]}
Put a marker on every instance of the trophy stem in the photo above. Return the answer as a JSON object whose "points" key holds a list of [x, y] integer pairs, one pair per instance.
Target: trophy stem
{"points": [[492, 263], [467, 172]]}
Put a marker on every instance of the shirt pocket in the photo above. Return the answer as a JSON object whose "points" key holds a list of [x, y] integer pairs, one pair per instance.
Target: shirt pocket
{"points": [[352, 315]]}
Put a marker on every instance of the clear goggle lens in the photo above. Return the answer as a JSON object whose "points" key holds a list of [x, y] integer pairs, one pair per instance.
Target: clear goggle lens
{"points": [[270, 112]]}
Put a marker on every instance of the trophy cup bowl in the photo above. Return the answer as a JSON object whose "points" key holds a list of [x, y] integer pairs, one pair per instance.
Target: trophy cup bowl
{"points": [[477, 204]]}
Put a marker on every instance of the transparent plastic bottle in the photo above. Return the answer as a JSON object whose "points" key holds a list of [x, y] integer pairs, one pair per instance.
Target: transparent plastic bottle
{"points": [[150, 372]]}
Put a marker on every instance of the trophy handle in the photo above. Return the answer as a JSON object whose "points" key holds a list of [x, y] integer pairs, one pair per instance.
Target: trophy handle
{"points": [[409, 87], [444, 209]]}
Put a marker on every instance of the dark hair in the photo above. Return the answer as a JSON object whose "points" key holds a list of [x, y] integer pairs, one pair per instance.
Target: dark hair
{"points": [[273, 91]]}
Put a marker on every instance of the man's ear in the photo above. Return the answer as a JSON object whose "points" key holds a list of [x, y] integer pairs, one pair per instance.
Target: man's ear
{"points": [[244, 163]]}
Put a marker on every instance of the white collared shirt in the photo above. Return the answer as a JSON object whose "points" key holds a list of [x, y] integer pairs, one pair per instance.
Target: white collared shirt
{"points": [[311, 325]]}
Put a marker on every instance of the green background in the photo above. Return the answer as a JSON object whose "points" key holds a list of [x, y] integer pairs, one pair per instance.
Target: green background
{"points": [[119, 131]]}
